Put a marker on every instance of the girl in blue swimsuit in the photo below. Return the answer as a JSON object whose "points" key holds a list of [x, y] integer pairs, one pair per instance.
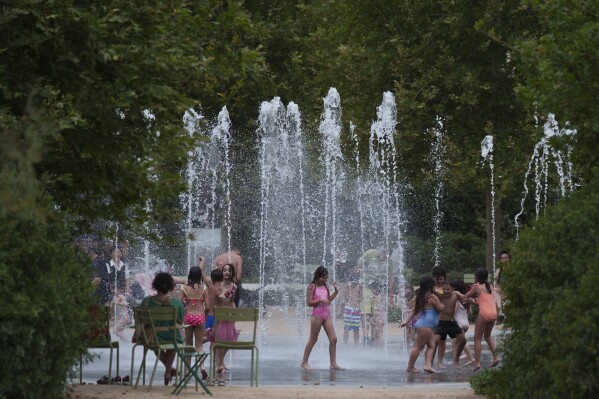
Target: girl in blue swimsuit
{"points": [[430, 306]]}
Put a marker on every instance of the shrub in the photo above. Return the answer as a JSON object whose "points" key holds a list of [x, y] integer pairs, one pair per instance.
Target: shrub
{"points": [[45, 287], [553, 308]]}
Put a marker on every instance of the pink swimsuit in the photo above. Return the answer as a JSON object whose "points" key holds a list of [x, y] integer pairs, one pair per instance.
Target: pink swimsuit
{"points": [[321, 310], [486, 304]]}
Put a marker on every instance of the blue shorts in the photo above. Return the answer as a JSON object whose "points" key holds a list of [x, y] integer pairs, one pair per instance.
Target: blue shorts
{"points": [[209, 321]]}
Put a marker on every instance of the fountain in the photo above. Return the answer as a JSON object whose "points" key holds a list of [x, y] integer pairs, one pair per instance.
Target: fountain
{"points": [[543, 151], [487, 155], [437, 151]]}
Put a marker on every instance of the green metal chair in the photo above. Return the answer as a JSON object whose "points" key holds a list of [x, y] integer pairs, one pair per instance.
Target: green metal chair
{"points": [[158, 319], [99, 338], [236, 315]]}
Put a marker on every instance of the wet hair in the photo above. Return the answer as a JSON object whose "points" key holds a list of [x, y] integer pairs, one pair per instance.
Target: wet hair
{"points": [[230, 267], [439, 271], [426, 287], [216, 275], [163, 283], [194, 277], [459, 286], [320, 271], [505, 252], [482, 275]]}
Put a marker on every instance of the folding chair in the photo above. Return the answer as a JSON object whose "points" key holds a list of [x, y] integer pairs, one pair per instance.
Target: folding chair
{"points": [[99, 337], [155, 320], [236, 315]]}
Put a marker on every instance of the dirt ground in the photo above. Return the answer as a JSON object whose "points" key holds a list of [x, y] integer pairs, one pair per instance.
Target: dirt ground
{"points": [[439, 391]]}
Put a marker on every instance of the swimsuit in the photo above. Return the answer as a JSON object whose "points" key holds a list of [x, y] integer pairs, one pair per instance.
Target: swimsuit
{"points": [[448, 327], [321, 310], [428, 318], [461, 317], [194, 319], [351, 318], [486, 304]]}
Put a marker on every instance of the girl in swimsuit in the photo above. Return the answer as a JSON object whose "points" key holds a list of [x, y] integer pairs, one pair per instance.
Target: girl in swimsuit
{"points": [[192, 296], [319, 298], [487, 315], [428, 303]]}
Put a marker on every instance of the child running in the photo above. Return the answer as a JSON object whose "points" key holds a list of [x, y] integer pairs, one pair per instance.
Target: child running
{"points": [[448, 326], [351, 311], [192, 296], [487, 315], [319, 298], [428, 303]]}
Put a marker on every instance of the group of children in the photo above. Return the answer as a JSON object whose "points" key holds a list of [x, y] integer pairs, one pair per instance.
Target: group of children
{"points": [[199, 296], [441, 308]]}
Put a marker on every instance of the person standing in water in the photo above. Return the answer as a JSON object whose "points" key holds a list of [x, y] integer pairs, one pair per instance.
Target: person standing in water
{"points": [[319, 298], [233, 257], [487, 315], [504, 258]]}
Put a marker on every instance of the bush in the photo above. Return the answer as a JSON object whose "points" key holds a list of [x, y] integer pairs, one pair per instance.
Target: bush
{"points": [[553, 308], [45, 288]]}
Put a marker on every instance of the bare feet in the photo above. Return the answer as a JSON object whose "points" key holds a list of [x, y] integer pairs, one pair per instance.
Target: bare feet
{"points": [[456, 364], [412, 370], [305, 366], [336, 367], [440, 366], [469, 362], [476, 367], [429, 370], [494, 363]]}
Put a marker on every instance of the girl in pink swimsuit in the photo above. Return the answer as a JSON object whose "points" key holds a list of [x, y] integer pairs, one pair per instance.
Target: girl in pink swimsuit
{"points": [[319, 298], [487, 315]]}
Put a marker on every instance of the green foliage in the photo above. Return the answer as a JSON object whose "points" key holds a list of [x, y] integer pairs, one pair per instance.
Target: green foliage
{"points": [[562, 66], [553, 305], [482, 383], [45, 290], [92, 69]]}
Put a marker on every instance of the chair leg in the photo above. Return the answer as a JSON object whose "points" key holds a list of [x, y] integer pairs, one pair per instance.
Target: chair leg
{"points": [[142, 367], [80, 369], [117, 359], [154, 370], [257, 363], [110, 366]]}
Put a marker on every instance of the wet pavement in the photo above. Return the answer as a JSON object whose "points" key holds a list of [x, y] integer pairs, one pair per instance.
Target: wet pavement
{"points": [[279, 359]]}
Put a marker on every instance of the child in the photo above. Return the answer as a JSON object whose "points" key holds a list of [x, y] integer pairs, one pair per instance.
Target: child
{"points": [[448, 326], [351, 311], [378, 314], [319, 298], [410, 297], [430, 306], [366, 305], [122, 318], [192, 296], [222, 292], [462, 313], [504, 258], [440, 276], [486, 316]]}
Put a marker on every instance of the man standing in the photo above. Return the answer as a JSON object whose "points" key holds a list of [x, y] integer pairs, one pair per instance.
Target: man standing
{"points": [[233, 257]]}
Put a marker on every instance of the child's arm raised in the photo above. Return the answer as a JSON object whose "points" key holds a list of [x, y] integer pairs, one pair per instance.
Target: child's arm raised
{"points": [[435, 302], [334, 294], [202, 266]]}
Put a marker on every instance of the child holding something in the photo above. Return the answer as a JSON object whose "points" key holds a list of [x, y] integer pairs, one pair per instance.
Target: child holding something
{"points": [[319, 298]]}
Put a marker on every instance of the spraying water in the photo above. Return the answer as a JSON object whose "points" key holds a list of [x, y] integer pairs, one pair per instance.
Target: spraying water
{"points": [[437, 152], [541, 157], [487, 155]]}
